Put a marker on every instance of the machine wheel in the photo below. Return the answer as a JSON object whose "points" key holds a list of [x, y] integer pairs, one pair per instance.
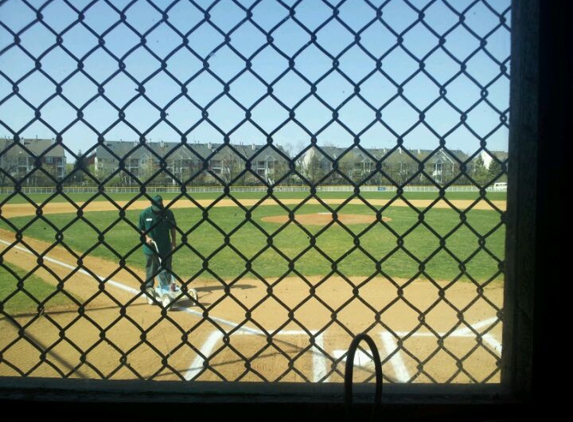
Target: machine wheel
{"points": [[193, 294]]}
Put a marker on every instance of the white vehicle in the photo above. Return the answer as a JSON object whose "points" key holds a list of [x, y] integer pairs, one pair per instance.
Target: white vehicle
{"points": [[501, 186], [174, 292]]}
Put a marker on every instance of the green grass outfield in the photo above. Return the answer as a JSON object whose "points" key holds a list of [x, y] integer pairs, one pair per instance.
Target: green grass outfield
{"points": [[221, 243], [26, 293]]}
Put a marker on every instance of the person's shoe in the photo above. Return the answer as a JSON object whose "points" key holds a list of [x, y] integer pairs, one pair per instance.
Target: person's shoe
{"points": [[150, 293]]}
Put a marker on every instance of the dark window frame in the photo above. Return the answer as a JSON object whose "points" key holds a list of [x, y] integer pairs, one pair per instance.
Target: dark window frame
{"points": [[540, 96]]}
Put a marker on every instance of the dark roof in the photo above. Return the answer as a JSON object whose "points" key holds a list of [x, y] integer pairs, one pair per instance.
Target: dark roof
{"points": [[176, 150], [34, 146], [390, 154]]}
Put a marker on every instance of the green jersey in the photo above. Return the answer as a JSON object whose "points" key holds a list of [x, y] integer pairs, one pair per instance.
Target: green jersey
{"points": [[158, 226]]}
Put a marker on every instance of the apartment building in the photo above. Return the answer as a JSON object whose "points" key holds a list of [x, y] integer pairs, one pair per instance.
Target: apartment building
{"points": [[32, 162], [174, 163]]}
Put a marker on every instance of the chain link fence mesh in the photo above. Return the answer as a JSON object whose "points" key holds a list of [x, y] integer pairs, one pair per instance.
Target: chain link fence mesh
{"points": [[371, 77]]}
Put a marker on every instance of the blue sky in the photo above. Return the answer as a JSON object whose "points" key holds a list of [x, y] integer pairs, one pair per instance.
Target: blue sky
{"points": [[377, 71]]}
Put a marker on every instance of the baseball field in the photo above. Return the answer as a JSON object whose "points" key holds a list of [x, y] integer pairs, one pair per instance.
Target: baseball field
{"points": [[283, 285]]}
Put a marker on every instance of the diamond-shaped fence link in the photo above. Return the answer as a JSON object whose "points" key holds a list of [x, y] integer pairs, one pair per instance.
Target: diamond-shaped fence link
{"points": [[332, 166]]}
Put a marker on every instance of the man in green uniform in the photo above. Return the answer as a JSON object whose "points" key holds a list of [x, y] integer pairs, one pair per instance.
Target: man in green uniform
{"points": [[157, 224]]}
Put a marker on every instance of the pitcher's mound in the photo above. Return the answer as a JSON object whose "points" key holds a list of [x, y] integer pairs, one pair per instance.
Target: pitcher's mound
{"points": [[321, 219]]}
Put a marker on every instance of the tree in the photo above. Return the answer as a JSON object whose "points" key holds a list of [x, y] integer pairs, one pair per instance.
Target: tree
{"points": [[495, 173], [280, 171], [313, 169], [346, 166], [479, 171], [81, 168], [8, 169], [232, 165]]}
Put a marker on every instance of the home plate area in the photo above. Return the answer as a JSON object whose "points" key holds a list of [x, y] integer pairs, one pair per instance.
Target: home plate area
{"points": [[460, 359]]}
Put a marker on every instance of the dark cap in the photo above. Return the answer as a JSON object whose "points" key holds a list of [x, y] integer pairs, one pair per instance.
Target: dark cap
{"points": [[157, 203]]}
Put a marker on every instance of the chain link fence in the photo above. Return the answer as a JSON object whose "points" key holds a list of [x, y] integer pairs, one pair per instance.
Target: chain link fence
{"points": [[249, 117]]}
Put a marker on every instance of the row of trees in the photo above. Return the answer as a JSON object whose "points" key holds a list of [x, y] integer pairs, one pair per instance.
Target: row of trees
{"points": [[230, 170]]}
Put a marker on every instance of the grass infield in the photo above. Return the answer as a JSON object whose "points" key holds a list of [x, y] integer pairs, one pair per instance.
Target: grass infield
{"points": [[231, 242]]}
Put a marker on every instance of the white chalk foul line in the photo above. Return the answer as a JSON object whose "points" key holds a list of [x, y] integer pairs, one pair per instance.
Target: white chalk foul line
{"points": [[495, 345], [70, 267], [123, 287], [390, 346], [197, 364], [318, 360], [464, 331], [489, 339], [135, 292]]}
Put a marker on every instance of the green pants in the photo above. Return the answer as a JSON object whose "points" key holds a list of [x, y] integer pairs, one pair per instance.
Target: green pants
{"points": [[155, 269]]}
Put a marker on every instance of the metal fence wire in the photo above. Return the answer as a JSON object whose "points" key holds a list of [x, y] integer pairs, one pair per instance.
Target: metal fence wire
{"points": [[253, 103]]}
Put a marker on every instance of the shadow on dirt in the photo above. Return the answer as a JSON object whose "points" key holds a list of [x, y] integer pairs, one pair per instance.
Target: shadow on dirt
{"points": [[215, 288]]}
